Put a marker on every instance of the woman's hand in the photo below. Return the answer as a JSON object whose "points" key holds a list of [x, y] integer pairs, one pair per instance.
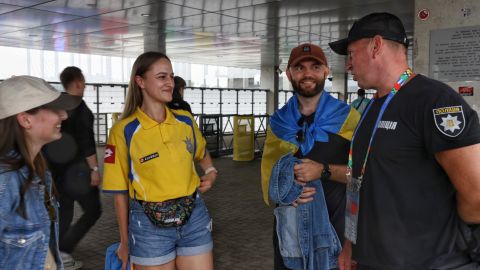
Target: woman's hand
{"points": [[96, 179], [206, 181], [122, 254]]}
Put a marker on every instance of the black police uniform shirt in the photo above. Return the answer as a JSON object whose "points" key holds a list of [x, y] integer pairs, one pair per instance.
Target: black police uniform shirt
{"points": [[407, 216]]}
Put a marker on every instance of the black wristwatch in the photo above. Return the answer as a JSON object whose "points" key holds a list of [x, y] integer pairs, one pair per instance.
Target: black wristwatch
{"points": [[326, 173]]}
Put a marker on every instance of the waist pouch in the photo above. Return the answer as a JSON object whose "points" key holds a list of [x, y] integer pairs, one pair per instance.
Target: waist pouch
{"points": [[170, 213]]}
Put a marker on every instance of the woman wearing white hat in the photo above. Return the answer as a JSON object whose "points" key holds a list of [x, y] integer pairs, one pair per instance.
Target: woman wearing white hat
{"points": [[31, 113]]}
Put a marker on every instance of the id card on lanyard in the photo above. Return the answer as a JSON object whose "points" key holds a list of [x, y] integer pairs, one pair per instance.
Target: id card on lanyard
{"points": [[354, 184]]}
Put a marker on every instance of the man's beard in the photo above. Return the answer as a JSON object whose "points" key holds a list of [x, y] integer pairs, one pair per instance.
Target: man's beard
{"points": [[320, 84]]}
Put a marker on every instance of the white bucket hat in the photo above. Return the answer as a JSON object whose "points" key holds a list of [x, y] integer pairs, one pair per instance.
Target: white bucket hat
{"points": [[22, 93]]}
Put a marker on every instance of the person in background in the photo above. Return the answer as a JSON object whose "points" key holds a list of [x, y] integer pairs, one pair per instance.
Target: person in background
{"points": [[414, 174], [316, 128], [31, 114], [74, 165], [178, 103], [361, 102], [162, 218]]}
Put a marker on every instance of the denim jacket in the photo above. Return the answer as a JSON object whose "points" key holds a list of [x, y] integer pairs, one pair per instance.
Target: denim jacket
{"points": [[24, 243], [307, 239]]}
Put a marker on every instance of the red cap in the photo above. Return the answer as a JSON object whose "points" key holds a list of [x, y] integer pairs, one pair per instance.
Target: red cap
{"points": [[306, 51]]}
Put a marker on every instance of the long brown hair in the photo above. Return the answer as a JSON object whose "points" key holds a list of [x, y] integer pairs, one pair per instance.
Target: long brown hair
{"points": [[14, 152], [134, 96]]}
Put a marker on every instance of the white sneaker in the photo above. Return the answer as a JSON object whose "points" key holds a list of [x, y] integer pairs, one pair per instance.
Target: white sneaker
{"points": [[69, 262]]}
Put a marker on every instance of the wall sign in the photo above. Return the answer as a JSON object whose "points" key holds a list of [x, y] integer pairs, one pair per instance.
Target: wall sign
{"points": [[465, 90], [455, 54], [423, 14], [466, 12]]}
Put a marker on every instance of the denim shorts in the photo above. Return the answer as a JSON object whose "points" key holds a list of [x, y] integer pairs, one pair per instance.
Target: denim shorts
{"points": [[151, 245]]}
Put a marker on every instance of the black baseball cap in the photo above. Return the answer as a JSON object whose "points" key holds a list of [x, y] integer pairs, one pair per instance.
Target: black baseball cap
{"points": [[384, 24]]}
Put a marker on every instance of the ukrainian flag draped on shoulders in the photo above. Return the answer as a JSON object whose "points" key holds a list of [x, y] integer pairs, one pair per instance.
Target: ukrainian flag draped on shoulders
{"points": [[332, 116]]}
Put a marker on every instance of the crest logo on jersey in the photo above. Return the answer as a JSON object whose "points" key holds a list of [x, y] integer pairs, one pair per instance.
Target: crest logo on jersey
{"points": [[149, 157], [189, 145], [450, 121], [109, 154]]}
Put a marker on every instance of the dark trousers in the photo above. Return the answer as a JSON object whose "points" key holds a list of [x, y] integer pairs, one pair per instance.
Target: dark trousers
{"points": [[71, 234]]}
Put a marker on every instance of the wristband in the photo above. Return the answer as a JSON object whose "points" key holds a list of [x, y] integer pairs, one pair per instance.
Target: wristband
{"points": [[94, 169], [210, 169], [326, 173]]}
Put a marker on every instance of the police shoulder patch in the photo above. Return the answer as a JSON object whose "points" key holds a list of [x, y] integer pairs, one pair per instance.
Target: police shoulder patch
{"points": [[450, 121]]}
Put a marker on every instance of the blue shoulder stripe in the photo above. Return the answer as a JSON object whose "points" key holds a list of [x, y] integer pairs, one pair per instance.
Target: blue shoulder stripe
{"points": [[189, 122], [128, 132]]}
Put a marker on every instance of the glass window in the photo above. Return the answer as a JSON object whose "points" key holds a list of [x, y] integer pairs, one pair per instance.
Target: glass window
{"points": [[36, 63], [16, 59]]}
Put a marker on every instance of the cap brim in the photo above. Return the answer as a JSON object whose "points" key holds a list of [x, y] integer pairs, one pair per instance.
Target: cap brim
{"points": [[299, 59], [340, 46], [64, 102]]}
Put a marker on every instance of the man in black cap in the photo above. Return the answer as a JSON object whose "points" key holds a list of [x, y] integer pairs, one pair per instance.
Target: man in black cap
{"points": [[414, 163]]}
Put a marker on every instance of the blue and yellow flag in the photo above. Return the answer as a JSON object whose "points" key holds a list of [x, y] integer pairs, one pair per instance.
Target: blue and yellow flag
{"points": [[332, 116]]}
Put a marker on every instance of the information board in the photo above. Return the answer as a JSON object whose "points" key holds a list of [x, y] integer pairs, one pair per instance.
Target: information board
{"points": [[455, 54]]}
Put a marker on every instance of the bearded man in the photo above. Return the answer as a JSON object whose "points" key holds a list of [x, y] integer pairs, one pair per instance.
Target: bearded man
{"points": [[316, 128]]}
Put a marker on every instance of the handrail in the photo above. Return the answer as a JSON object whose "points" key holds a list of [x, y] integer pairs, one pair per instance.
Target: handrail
{"points": [[219, 139], [105, 99]]}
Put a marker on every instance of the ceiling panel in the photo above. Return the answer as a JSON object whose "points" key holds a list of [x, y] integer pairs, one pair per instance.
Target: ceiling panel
{"points": [[33, 34], [240, 33], [4, 8], [7, 29], [150, 13], [31, 18], [8, 42], [23, 3], [86, 8], [218, 5]]}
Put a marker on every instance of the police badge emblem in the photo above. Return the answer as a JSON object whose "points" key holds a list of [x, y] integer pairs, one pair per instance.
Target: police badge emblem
{"points": [[450, 121]]}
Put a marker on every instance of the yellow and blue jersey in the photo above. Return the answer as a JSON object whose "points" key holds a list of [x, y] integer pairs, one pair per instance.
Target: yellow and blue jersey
{"points": [[153, 161]]}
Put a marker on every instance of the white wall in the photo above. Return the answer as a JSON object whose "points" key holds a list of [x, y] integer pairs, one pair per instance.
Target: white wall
{"points": [[444, 14]]}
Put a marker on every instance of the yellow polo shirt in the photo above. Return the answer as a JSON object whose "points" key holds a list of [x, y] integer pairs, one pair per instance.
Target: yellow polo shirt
{"points": [[153, 161]]}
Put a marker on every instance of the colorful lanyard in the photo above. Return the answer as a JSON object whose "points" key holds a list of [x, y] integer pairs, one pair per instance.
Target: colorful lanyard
{"points": [[401, 81]]}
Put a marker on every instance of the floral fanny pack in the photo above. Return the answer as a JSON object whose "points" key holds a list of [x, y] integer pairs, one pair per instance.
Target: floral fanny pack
{"points": [[170, 213]]}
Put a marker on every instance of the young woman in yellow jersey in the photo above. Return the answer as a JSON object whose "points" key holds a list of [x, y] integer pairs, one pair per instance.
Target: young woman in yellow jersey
{"points": [[163, 221]]}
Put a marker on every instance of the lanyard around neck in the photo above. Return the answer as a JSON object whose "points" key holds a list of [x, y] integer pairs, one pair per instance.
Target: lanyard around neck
{"points": [[396, 87]]}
